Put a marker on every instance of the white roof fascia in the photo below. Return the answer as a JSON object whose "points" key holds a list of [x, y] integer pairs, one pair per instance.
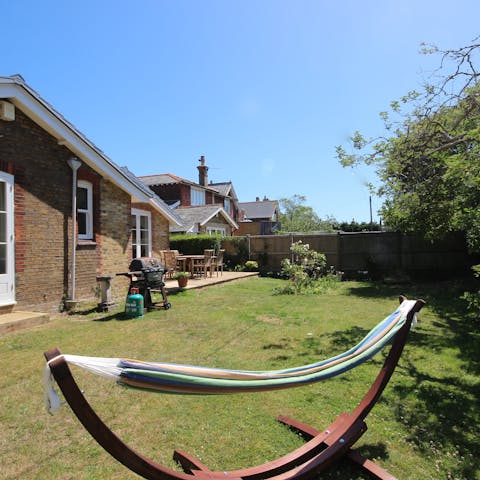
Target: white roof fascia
{"points": [[227, 217], [164, 211], [30, 103]]}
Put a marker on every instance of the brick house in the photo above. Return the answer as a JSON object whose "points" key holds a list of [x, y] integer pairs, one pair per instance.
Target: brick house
{"points": [[260, 217], [204, 207], [210, 219], [47, 167]]}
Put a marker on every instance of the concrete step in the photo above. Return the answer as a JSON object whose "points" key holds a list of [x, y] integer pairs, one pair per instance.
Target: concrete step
{"points": [[11, 322]]}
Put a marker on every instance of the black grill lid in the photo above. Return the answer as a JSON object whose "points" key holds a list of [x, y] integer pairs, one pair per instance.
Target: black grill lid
{"points": [[143, 263]]}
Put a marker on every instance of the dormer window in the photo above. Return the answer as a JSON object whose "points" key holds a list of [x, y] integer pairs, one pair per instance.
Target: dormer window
{"points": [[197, 197]]}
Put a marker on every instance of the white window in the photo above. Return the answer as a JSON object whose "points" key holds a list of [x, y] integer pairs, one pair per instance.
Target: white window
{"points": [[226, 205], [85, 209], [197, 197], [141, 234], [216, 231]]}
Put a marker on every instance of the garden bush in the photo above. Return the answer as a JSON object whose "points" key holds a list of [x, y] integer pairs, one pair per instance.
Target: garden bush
{"points": [[303, 273]]}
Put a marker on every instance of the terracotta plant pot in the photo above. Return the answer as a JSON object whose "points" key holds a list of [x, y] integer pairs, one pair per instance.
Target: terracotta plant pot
{"points": [[182, 281]]}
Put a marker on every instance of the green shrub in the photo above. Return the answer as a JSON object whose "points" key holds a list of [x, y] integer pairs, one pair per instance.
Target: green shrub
{"points": [[473, 298], [313, 263], [195, 244], [251, 266], [303, 273]]}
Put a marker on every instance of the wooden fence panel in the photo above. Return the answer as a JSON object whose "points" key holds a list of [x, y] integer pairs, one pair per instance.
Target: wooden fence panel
{"points": [[365, 251], [270, 250]]}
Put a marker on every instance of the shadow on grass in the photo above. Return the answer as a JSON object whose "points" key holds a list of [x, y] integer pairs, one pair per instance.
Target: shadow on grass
{"points": [[440, 413], [98, 316]]}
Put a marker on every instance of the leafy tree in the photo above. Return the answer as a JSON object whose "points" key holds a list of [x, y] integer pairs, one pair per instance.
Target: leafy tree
{"points": [[297, 217], [429, 165]]}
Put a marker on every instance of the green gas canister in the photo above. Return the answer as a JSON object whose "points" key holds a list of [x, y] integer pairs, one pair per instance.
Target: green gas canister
{"points": [[134, 304]]}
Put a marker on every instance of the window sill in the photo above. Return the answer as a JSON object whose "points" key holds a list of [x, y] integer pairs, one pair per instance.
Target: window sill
{"points": [[86, 243]]}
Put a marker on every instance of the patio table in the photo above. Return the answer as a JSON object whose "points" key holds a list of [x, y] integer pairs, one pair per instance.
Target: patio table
{"points": [[189, 262]]}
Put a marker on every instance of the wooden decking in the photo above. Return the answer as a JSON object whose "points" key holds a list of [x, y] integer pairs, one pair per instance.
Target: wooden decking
{"points": [[202, 282]]}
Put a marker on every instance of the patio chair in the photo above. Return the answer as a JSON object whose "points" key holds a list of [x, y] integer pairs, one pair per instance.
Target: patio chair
{"points": [[319, 452], [204, 264], [219, 261], [170, 262]]}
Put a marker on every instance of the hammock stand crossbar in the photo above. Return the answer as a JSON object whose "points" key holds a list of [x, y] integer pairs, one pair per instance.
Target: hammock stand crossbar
{"points": [[321, 449]]}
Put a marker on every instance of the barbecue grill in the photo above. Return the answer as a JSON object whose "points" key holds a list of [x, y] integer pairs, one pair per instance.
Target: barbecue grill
{"points": [[146, 274]]}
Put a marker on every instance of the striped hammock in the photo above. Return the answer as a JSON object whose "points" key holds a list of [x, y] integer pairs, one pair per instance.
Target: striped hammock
{"points": [[190, 379]]}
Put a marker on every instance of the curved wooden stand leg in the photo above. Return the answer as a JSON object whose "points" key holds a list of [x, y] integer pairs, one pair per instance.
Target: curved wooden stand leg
{"points": [[317, 445], [188, 462], [308, 432]]}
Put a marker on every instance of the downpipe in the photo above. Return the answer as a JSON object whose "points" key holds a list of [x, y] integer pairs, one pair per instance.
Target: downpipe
{"points": [[74, 164]]}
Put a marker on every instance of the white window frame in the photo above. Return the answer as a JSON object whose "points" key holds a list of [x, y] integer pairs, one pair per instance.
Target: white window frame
{"points": [[7, 279], [197, 197], [217, 231], [88, 212], [137, 213], [227, 205]]}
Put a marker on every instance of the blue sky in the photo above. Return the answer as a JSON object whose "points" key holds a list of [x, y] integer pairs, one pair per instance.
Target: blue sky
{"points": [[265, 89]]}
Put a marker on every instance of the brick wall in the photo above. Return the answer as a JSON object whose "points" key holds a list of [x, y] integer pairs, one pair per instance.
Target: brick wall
{"points": [[42, 197], [115, 239], [160, 234]]}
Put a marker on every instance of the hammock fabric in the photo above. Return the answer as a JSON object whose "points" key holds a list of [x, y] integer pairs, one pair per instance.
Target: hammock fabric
{"points": [[190, 379]]}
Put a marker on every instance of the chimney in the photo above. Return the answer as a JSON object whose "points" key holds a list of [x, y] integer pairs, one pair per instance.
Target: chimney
{"points": [[257, 199], [202, 172]]}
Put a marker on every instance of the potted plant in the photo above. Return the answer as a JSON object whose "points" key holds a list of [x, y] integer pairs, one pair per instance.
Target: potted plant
{"points": [[182, 278]]}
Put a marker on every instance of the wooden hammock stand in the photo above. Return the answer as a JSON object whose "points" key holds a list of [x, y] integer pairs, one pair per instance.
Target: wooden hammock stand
{"points": [[319, 452]]}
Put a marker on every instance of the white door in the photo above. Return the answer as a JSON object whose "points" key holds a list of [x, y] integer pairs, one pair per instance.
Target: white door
{"points": [[7, 261]]}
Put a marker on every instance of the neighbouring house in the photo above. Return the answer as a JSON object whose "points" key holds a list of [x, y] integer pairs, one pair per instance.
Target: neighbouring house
{"points": [[49, 174], [210, 219], [203, 207], [260, 217]]}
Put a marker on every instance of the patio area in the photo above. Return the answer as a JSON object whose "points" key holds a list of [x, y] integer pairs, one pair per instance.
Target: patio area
{"points": [[201, 282]]}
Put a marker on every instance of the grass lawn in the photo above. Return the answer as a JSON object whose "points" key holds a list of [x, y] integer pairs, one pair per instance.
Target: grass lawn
{"points": [[426, 426]]}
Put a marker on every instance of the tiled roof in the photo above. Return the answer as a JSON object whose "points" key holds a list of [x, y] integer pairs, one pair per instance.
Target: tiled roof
{"points": [[141, 185], [222, 188], [162, 179], [260, 209], [193, 215]]}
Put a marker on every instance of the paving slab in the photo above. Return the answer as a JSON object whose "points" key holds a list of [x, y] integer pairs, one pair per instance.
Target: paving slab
{"points": [[11, 322]]}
